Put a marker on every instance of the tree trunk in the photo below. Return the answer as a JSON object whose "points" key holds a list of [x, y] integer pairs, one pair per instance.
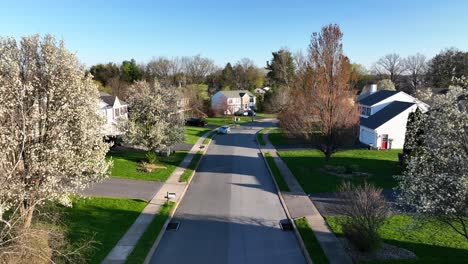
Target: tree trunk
{"points": [[27, 212]]}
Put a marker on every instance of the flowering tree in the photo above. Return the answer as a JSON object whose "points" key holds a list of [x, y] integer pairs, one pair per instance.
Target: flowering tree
{"points": [[155, 122], [435, 181], [50, 132]]}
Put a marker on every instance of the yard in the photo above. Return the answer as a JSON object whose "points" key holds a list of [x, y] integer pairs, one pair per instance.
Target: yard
{"points": [[431, 242], [306, 165], [226, 120], [278, 138], [126, 165], [102, 220], [192, 134]]}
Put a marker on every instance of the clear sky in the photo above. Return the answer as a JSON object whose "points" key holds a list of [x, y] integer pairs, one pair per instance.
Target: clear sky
{"points": [[226, 31]]}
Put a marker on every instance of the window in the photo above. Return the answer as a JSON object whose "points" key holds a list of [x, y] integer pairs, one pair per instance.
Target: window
{"points": [[252, 99], [365, 110]]}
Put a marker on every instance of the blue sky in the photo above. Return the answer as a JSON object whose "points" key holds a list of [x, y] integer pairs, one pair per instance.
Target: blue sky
{"points": [[226, 31]]}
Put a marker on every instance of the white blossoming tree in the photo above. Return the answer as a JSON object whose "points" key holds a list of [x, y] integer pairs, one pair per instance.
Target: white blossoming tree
{"points": [[154, 122], [50, 140], [435, 181]]}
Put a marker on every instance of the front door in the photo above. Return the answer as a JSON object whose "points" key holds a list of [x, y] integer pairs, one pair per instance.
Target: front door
{"points": [[384, 142]]}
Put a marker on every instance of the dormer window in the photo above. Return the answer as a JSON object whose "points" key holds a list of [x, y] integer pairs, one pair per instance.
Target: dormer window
{"points": [[365, 110]]}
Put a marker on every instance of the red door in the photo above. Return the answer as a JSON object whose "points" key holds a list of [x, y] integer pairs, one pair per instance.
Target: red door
{"points": [[384, 142]]}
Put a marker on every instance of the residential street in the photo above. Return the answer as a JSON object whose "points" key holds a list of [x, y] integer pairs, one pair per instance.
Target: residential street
{"points": [[231, 211]]}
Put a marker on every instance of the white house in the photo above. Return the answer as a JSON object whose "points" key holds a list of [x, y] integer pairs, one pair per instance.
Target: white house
{"points": [[112, 109], [384, 115], [229, 102]]}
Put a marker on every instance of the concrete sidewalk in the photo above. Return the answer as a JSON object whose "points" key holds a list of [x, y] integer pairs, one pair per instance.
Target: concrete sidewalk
{"points": [[299, 205], [127, 243]]}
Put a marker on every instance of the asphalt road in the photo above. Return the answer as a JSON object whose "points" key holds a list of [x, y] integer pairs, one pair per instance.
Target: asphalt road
{"points": [[231, 211]]}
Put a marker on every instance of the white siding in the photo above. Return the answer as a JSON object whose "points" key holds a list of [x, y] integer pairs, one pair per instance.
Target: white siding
{"points": [[395, 128], [367, 136]]}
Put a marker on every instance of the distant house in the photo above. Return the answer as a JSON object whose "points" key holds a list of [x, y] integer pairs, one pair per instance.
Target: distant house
{"points": [[229, 102], [384, 115], [112, 109]]}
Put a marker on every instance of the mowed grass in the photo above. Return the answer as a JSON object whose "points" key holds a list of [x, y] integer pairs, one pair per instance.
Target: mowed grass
{"points": [[102, 220], [266, 115], [432, 242], [311, 242], [185, 177], [126, 165], [192, 134], [306, 165], [226, 120], [283, 186], [146, 241], [209, 137], [278, 138], [260, 138]]}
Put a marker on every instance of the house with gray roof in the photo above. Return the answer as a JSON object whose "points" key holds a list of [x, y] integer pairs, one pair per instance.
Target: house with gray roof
{"points": [[384, 115], [112, 109], [229, 102]]}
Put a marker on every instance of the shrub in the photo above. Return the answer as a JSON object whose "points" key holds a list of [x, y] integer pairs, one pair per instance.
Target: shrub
{"points": [[147, 167], [151, 157], [366, 210]]}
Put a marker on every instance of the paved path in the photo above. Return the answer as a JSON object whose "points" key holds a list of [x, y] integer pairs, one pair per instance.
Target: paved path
{"points": [[127, 243], [299, 205], [231, 211], [126, 188]]}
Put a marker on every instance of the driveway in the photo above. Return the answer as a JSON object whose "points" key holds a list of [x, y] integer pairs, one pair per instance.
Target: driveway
{"points": [[125, 188], [231, 211]]}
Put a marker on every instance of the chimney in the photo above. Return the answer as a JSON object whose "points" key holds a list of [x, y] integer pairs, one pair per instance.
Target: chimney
{"points": [[373, 88]]}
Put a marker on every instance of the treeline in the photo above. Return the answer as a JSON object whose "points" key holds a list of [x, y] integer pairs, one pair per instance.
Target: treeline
{"points": [[201, 78], [179, 72]]}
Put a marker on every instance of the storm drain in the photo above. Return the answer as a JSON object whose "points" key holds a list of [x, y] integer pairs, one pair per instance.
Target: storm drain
{"points": [[286, 225], [173, 226]]}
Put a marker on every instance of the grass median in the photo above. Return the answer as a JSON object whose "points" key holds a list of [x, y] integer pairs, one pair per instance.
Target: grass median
{"points": [[276, 173], [260, 139], [310, 241], [148, 238], [209, 137], [185, 177]]}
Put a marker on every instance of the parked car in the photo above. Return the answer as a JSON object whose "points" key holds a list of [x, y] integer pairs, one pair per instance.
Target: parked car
{"points": [[194, 121], [240, 113], [224, 130], [251, 113]]}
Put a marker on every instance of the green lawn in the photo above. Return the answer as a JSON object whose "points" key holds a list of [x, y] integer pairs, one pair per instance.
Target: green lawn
{"points": [[311, 242], [260, 139], [103, 220], [306, 165], [146, 241], [266, 115], [226, 120], [185, 177], [276, 173], [432, 242], [209, 137], [277, 138], [126, 164], [192, 134]]}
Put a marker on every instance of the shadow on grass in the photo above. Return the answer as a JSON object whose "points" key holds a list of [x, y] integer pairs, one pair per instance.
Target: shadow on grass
{"points": [[307, 165], [102, 220]]}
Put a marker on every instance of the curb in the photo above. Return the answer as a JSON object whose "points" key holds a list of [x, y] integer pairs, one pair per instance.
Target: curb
{"points": [[171, 215], [283, 203]]}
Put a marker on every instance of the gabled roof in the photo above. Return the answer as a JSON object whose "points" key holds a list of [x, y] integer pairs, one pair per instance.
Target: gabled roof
{"points": [[236, 93], [109, 99], [377, 97], [383, 116]]}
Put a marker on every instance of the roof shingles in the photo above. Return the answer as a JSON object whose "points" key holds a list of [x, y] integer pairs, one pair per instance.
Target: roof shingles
{"points": [[383, 116], [377, 97]]}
